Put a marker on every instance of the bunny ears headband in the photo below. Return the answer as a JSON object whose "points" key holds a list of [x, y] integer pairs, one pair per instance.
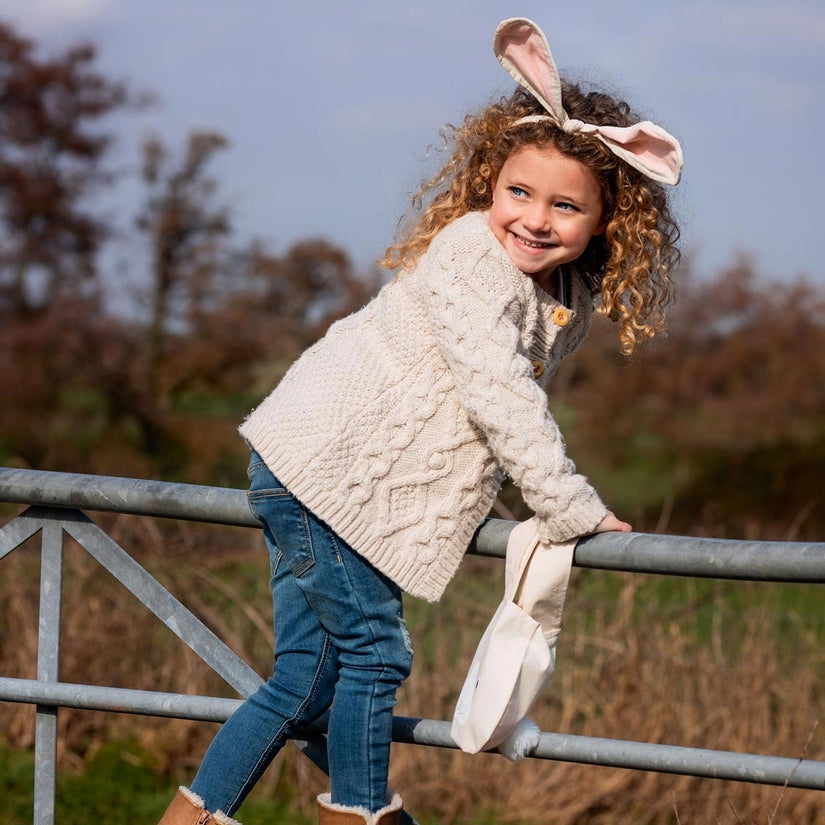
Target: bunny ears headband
{"points": [[521, 47]]}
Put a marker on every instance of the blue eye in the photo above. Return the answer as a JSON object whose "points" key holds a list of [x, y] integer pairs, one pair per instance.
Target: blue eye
{"points": [[567, 207], [518, 192]]}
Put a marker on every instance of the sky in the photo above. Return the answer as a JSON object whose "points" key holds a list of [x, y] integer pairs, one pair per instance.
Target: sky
{"points": [[330, 107]]}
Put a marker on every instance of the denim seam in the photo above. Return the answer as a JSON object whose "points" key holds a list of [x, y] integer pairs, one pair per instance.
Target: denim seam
{"points": [[310, 547], [269, 492], [373, 684], [264, 760], [337, 546]]}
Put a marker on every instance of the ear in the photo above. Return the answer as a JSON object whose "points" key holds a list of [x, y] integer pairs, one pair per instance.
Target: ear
{"points": [[602, 227], [495, 174]]}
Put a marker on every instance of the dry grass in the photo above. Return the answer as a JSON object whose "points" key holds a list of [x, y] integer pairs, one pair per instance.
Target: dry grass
{"points": [[682, 664], [625, 674]]}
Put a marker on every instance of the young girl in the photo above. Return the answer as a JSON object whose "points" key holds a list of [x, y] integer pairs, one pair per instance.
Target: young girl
{"points": [[383, 448]]}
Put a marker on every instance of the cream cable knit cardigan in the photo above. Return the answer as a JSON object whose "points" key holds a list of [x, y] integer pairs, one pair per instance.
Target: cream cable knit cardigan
{"points": [[397, 427]]}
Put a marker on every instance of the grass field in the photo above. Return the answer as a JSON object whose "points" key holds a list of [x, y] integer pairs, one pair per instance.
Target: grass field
{"points": [[733, 666]]}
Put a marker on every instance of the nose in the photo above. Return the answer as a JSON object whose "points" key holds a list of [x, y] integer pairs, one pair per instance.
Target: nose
{"points": [[536, 218]]}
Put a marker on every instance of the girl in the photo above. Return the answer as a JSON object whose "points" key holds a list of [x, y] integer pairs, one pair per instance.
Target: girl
{"points": [[382, 449]]}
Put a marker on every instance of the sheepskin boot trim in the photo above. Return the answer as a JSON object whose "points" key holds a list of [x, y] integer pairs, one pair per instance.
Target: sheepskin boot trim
{"points": [[330, 813], [187, 808]]}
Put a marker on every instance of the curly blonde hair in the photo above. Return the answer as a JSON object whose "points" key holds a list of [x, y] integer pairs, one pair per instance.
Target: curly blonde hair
{"points": [[630, 264]]}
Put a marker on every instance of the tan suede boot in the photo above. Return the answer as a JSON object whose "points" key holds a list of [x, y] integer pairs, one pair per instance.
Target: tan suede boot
{"points": [[331, 814], [187, 809]]}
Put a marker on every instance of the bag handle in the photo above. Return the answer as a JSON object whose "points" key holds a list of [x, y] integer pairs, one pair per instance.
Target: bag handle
{"points": [[537, 576]]}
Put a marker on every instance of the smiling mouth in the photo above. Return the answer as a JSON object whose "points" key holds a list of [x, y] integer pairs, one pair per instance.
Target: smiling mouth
{"points": [[530, 243]]}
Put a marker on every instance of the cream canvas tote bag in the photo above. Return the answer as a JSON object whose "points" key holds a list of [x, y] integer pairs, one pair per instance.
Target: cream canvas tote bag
{"points": [[516, 656]]}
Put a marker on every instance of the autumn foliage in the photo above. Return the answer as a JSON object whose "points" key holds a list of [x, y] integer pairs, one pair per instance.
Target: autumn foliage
{"points": [[200, 323], [718, 429]]}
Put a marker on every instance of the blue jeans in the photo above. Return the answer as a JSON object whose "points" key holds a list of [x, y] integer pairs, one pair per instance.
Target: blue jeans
{"points": [[341, 645]]}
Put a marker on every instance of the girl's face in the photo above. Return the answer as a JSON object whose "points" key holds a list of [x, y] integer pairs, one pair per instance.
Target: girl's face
{"points": [[546, 207]]}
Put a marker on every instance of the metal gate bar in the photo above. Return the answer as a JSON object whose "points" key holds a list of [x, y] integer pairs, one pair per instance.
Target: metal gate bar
{"points": [[560, 747], [775, 561]]}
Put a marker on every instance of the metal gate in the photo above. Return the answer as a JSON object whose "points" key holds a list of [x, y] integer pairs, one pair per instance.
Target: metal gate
{"points": [[56, 504]]}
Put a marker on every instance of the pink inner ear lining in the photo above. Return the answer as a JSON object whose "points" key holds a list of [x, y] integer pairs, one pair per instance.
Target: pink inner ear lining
{"points": [[648, 149], [649, 144], [541, 73], [522, 45]]}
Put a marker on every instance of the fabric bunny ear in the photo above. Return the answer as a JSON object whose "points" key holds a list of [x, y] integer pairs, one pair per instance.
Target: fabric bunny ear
{"points": [[522, 49]]}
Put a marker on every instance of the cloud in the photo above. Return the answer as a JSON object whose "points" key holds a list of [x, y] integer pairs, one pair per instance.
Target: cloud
{"points": [[388, 118], [754, 29], [46, 15], [793, 24]]}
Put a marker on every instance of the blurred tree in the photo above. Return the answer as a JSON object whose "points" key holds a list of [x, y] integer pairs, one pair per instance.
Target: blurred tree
{"points": [[719, 426], [186, 232], [187, 235], [82, 389], [295, 296], [216, 312], [50, 162]]}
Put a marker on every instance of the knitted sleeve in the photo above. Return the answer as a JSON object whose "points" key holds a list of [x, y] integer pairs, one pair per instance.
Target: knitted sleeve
{"points": [[471, 305]]}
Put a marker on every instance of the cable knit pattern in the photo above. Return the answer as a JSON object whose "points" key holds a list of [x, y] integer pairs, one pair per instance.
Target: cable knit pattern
{"points": [[398, 426]]}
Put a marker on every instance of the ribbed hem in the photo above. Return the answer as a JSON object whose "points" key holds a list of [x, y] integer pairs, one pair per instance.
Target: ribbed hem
{"points": [[401, 564], [582, 516]]}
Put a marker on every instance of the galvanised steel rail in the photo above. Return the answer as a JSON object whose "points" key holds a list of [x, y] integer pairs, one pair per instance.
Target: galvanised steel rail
{"points": [[628, 552], [56, 502]]}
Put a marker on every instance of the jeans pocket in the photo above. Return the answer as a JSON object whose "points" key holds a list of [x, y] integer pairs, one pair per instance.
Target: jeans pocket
{"points": [[287, 522], [255, 467]]}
